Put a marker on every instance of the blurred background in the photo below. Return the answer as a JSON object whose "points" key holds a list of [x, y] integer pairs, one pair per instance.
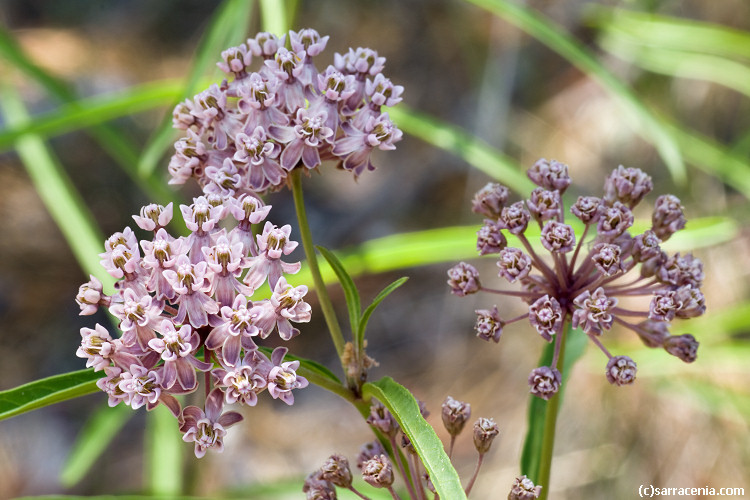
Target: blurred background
{"points": [[658, 85]]}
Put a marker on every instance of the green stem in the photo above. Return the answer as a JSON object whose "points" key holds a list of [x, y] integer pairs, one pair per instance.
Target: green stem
{"points": [[320, 288], [550, 425]]}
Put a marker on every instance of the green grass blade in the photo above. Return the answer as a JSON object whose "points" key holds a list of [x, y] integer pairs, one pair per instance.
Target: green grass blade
{"points": [[227, 28], [164, 445], [115, 143], [552, 35], [350, 289], [47, 391], [385, 292], [56, 190], [671, 33], [273, 15], [99, 431], [471, 149], [405, 409], [94, 110], [680, 63]]}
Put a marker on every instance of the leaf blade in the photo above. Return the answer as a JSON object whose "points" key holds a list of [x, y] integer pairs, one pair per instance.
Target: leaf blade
{"points": [[385, 292], [401, 403], [347, 284], [47, 391]]}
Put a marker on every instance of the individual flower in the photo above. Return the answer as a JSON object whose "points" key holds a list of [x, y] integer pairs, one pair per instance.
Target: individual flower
{"points": [[207, 428], [281, 375], [177, 348], [235, 329], [490, 238], [90, 296], [273, 242], [558, 237], [627, 185], [545, 205], [336, 470], [668, 216]]}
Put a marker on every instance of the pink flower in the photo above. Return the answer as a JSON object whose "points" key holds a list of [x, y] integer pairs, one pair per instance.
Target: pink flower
{"points": [[272, 244], [207, 428]]}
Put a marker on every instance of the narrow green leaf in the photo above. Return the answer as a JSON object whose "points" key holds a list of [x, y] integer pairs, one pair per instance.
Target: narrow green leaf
{"points": [[670, 32], [56, 190], [471, 149], [405, 409], [575, 345], [94, 110], [556, 38], [350, 289], [122, 151], [47, 391], [273, 16], [680, 63], [385, 292], [99, 431], [227, 28], [164, 445]]}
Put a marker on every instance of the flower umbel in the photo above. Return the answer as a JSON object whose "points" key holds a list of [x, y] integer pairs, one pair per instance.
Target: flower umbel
{"points": [[583, 281]]}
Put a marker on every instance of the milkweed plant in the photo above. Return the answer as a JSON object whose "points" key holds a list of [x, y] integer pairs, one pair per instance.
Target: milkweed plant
{"points": [[194, 309]]}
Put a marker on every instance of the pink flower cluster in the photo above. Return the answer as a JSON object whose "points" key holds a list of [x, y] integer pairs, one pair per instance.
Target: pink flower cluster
{"points": [[279, 112], [184, 308], [584, 281]]}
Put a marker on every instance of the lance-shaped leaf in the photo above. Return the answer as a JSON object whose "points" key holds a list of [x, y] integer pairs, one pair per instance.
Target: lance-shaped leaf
{"points": [[350, 289], [47, 391], [385, 292], [405, 410]]}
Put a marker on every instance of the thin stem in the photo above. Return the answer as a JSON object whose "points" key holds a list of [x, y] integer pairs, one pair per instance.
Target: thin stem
{"points": [[512, 293], [543, 268], [450, 449], [550, 425], [578, 249], [474, 476], [360, 495], [320, 288], [414, 470], [401, 467], [393, 493], [207, 380]]}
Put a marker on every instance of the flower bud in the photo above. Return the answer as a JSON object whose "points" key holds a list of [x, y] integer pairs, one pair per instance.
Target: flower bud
{"points": [[621, 370], [627, 185], [90, 296], [514, 264], [317, 488], [558, 237], [549, 175], [336, 470], [545, 205], [368, 451], [614, 220], [684, 347], [515, 218], [489, 325], [381, 419], [586, 208], [653, 333], [378, 472], [523, 489], [490, 238], [544, 382], [455, 414], [485, 431], [606, 257], [668, 216], [464, 279], [490, 200], [546, 316]]}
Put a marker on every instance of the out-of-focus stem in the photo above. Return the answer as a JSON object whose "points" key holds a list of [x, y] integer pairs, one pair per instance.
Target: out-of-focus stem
{"points": [[474, 476], [550, 424], [320, 288]]}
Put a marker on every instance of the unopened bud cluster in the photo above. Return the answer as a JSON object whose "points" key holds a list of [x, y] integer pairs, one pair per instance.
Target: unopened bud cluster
{"points": [[585, 276], [277, 111], [185, 308]]}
